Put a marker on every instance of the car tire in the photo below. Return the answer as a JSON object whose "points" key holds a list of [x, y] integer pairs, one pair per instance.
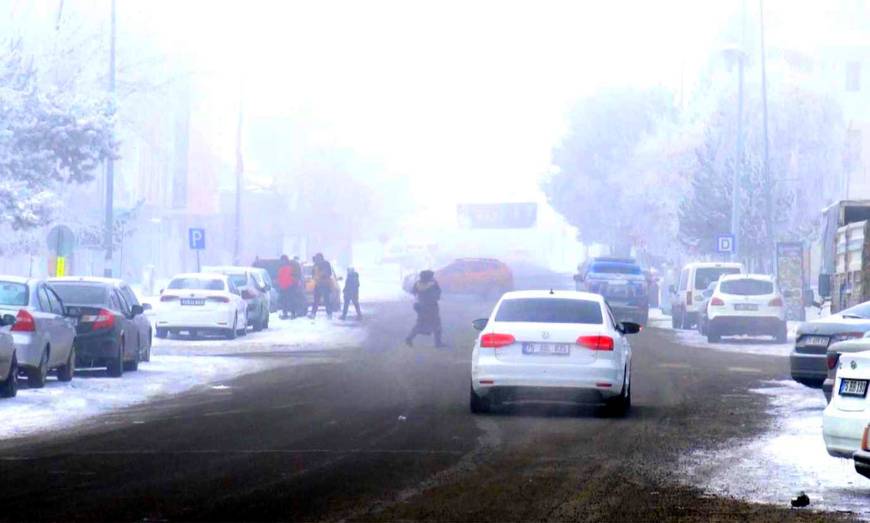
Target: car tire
{"points": [[619, 406], [9, 386], [811, 383], [713, 335], [266, 322], [148, 352], [133, 365], [781, 335], [478, 404], [66, 372], [233, 332], [36, 377], [162, 333], [115, 367]]}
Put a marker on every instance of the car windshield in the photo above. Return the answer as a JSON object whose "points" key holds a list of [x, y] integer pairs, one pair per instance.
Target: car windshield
{"points": [[549, 310], [615, 268], [704, 276], [13, 294], [204, 284], [82, 294], [746, 287], [239, 280]]}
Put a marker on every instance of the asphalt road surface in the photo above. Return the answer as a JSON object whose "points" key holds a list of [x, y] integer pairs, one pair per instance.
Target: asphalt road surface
{"points": [[383, 432]]}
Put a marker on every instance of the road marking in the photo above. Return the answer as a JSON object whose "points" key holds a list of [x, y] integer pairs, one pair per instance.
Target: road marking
{"points": [[675, 365], [744, 369]]}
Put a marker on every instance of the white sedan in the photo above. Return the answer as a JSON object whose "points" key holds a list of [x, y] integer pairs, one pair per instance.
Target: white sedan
{"points": [[201, 303], [552, 345], [745, 304], [848, 414]]}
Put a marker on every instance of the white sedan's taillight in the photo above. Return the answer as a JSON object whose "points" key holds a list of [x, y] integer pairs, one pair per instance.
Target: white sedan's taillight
{"points": [[865, 441], [494, 341], [218, 299], [596, 342], [776, 302]]}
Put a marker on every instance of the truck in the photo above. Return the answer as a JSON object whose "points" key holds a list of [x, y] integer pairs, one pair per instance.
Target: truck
{"points": [[844, 276]]}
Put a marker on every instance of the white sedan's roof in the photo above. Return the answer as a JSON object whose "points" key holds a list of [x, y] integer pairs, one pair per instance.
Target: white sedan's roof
{"points": [[228, 269], [570, 295], [16, 279], [763, 277]]}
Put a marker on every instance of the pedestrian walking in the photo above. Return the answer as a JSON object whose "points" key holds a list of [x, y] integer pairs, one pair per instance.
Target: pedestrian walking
{"points": [[285, 286], [322, 285], [427, 292], [351, 293]]}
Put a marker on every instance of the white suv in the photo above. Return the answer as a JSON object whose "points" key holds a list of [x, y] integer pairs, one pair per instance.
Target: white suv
{"points": [[687, 297], [848, 414], [552, 345], [745, 304]]}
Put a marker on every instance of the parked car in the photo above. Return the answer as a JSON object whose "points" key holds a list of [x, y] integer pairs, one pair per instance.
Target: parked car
{"points": [[111, 331], [748, 304], [201, 303], [835, 351], [687, 296], [623, 284], [862, 457], [702, 309], [43, 335], [265, 280], [253, 290], [847, 415], [484, 277], [552, 345], [8, 361], [808, 359]]}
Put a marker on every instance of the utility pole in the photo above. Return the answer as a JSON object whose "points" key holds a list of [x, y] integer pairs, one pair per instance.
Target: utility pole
{"points": [[110, 163], [239, 172], [738, 163], [768, 182]]}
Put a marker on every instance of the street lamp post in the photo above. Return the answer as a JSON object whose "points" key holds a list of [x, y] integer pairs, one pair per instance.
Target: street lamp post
{"points": [[110, 163]]}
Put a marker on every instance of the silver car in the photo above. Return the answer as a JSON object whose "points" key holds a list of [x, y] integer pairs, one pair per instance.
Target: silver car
{"points": [[254, 292], [43, 336], [8, 361]]}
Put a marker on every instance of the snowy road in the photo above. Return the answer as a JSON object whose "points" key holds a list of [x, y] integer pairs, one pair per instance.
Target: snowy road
{"points": [[178, 365]]}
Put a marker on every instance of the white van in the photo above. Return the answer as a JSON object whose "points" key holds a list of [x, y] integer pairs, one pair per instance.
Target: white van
{"points": [[687, 298]]}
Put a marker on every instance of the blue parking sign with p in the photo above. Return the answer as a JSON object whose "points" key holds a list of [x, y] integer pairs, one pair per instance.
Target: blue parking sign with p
{"points": [[196, 239], [725, 243]]}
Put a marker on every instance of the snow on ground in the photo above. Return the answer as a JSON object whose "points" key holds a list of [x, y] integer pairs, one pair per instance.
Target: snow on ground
{"points": [[91, 392], [790, 458]]}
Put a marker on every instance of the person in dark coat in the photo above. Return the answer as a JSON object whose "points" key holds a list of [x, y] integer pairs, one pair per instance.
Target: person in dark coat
{"points": [[428, 292], [351, 293]]}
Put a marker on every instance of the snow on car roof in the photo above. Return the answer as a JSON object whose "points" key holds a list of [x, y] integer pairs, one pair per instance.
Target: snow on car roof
{"points": [[571, 295], [16, 279]]}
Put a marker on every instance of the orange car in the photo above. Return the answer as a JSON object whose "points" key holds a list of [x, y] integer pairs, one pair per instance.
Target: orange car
{"points": [[481, 276]]}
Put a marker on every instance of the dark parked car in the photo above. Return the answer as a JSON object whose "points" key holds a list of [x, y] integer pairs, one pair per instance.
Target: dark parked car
{"points": [[111, 328], [808, 359], [621, 282]]}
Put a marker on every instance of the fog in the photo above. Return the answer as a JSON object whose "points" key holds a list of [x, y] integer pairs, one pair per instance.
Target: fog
{"points": [[357, 128]]}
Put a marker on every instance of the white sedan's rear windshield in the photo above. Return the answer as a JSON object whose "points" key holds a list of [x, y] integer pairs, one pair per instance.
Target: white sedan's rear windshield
{"points": [[197, 284], [746, 287], [14, 294], [549, 310]]}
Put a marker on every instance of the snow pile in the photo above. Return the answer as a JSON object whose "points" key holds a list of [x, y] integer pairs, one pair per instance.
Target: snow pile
{"points": [[282, 336], [765, 346], [789, 458], [91, 393]]}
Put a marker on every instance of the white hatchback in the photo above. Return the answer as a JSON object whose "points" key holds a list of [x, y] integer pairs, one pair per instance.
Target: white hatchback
{"points": [[201, 303], [848, 413], [745, 304], [552, 345]]}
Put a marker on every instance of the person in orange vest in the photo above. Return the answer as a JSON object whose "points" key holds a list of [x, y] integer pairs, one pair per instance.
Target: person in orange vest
{"points": [[285, 287]]}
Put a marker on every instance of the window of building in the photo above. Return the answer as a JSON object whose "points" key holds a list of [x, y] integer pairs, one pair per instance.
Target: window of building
{"points": [[853, 76]]}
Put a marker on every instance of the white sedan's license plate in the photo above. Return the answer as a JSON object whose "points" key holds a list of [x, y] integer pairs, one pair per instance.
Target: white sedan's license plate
{"points": [[853, 388], [745, 307], [818, 341], [192, 301], [547, 349]]}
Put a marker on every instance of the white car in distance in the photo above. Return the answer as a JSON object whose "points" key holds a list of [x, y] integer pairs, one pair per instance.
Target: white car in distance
{"points": [[745, 304], [201, 303], [848, 413], [552, 346]]}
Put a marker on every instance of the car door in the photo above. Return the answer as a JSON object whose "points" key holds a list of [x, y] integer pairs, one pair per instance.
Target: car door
{"points": [[236, 298], [66, 330], [618, 337], [128, 327], [143, 325], [48, 325]]}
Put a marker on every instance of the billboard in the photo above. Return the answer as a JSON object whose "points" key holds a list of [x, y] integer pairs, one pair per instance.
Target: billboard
{"points": [[497, 215]]}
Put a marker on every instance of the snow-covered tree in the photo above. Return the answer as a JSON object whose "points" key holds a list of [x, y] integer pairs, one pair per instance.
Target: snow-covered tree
{"points": [[48, 138]]}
